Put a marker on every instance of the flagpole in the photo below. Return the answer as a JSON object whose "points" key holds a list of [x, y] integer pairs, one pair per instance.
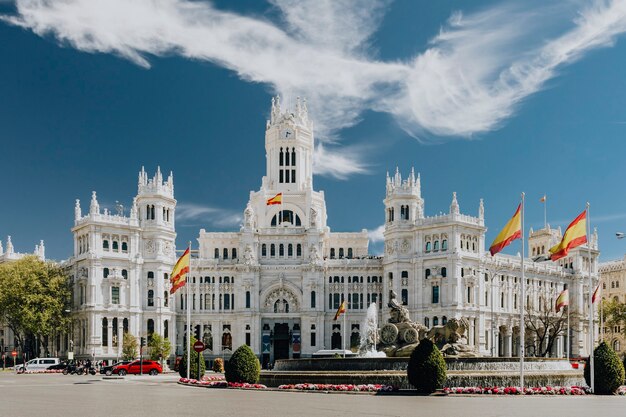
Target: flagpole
{"points": [[187, 284], [567, 346], [522, 304], [545, 211], [345, 314], [601, 316], [591, 326]]}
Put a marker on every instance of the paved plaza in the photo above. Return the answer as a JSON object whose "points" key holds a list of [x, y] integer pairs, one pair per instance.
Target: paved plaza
{"points": [[69, 396]]}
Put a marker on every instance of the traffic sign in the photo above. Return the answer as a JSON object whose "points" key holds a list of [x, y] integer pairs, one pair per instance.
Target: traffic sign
{"points": [[198, 346], [14, 353]]}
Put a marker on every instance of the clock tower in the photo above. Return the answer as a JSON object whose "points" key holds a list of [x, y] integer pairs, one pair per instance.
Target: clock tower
{"points": [[289, 148]]}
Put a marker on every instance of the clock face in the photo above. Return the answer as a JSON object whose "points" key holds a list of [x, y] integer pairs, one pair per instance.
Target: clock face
{"points": [[287, 134]]}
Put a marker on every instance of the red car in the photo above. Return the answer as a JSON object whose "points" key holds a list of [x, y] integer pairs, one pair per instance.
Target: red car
{"points": [[149, 367]]}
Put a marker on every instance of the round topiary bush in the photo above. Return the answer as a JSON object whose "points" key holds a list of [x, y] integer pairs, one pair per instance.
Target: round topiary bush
{"points": [[218, 365], [608, 370], [193, 365], [426, 369], [243, 366]]}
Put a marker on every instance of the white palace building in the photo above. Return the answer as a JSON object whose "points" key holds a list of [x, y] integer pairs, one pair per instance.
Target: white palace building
{"points": [[276, 283]]}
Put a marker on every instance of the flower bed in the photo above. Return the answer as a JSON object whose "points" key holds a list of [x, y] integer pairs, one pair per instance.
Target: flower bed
{"points": [[340, 387], [213, 378], [42, 371], [220, 383], [574, 390]]}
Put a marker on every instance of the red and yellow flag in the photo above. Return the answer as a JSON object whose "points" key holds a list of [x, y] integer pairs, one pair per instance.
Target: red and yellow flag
{"points": [[595, 295], [512, 230], [341, 310], [575, 235], [277, 199], [562, 300], [177, 279]]}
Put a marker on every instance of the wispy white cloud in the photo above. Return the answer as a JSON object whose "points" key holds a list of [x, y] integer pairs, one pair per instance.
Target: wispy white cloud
{"points": [[473, 76], [338, 162], [196, 214], [376, 235]]}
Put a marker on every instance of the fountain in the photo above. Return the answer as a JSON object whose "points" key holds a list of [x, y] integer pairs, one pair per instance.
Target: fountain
{"points": [[369, 335], [397, 339]]}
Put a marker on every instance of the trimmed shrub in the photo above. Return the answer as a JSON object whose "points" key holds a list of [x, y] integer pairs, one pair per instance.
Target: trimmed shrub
{"points": [[193, 366], [426, 369], [608, 370], [218, 365], [243, 366]]}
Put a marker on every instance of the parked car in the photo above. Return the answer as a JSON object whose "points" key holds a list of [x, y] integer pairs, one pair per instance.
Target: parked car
{"points": [[108, 370], [58, 366], [37, 364], [149, 367]]}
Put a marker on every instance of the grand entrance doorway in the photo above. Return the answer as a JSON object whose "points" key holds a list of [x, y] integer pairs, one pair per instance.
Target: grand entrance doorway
{"points": [[281, 341]]}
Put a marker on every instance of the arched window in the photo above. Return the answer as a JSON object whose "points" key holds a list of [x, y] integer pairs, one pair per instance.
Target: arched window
{"points": [[216, 253], [150, 298], [427, 246], [148, 212], [233, 252], [150, 275], [125, 273], [264, 250], [225, 253], [288, 218], [105, 244], [105, 332], [298, 250], [105, 272], [444, 272], [332, 253], [340, 253], [427, 272], [444, 320], [293, 158], [124, 247], [166, 329], [152, 215], [349, 253], [166, 298], [281, 250], [426, 322], [125, 325], [115, 245], [436, 246], [616, 346], [435, 321], [312, 299], [272, 250], [444, 245], [405, 297], [150, 327], [435, 298]]}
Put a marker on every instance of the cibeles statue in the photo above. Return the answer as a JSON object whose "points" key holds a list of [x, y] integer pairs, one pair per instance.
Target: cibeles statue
{"points": [[400, 335]]}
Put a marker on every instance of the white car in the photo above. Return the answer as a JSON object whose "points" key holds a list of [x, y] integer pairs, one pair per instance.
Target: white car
{"points": [[38, 364]]}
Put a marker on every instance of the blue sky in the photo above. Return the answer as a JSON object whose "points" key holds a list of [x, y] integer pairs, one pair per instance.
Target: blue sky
{"points": [[487, 99]]}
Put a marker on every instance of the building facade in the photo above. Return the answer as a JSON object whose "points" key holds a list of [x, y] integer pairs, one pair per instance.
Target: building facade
{"points": [[277, 282], [613, 278]]}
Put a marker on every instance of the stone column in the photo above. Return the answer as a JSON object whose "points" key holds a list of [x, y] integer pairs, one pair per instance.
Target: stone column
{"points": [[509, 344]]}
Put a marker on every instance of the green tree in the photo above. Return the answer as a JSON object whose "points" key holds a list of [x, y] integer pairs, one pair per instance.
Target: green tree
{"points": [[35, 300], [243, 366], [608, 370], [182, 367], [129, 347], [427, 368], [159, 346]]}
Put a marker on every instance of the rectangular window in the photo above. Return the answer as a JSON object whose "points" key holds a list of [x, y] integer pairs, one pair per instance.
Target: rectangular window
{"points": [[287, 175], [435, 294], [313, 339], [248, 339], [293, 175], [280, 176], [247, 299], [115, 295]]}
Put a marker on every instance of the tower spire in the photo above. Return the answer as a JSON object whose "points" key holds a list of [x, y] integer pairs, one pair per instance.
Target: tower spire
{"points": [[94, 207], [77, 210], [454, 206]]}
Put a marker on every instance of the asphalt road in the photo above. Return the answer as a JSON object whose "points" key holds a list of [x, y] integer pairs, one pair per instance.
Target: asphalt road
{"points": [[81, 396]]}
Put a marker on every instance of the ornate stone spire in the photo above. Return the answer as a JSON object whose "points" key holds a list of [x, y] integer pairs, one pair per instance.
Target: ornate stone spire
{"points": [[77, 211], [454, 206], [481, 210], [94, 207], [9, 246], [133, 209]]}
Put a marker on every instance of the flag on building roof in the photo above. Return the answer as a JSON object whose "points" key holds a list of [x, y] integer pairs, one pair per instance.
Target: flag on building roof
{"points": [[595, 294], [575, 235], [341, 310], [181, 269], [562, 300], [277, 199], [543, 199], [511, 231]]}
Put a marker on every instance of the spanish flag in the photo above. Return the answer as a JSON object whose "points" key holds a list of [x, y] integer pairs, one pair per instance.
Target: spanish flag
{"points": [[575, 235], [595, 295], [562, 300], [512, 230], [177, 279], [341, 310], [277, 199]]}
